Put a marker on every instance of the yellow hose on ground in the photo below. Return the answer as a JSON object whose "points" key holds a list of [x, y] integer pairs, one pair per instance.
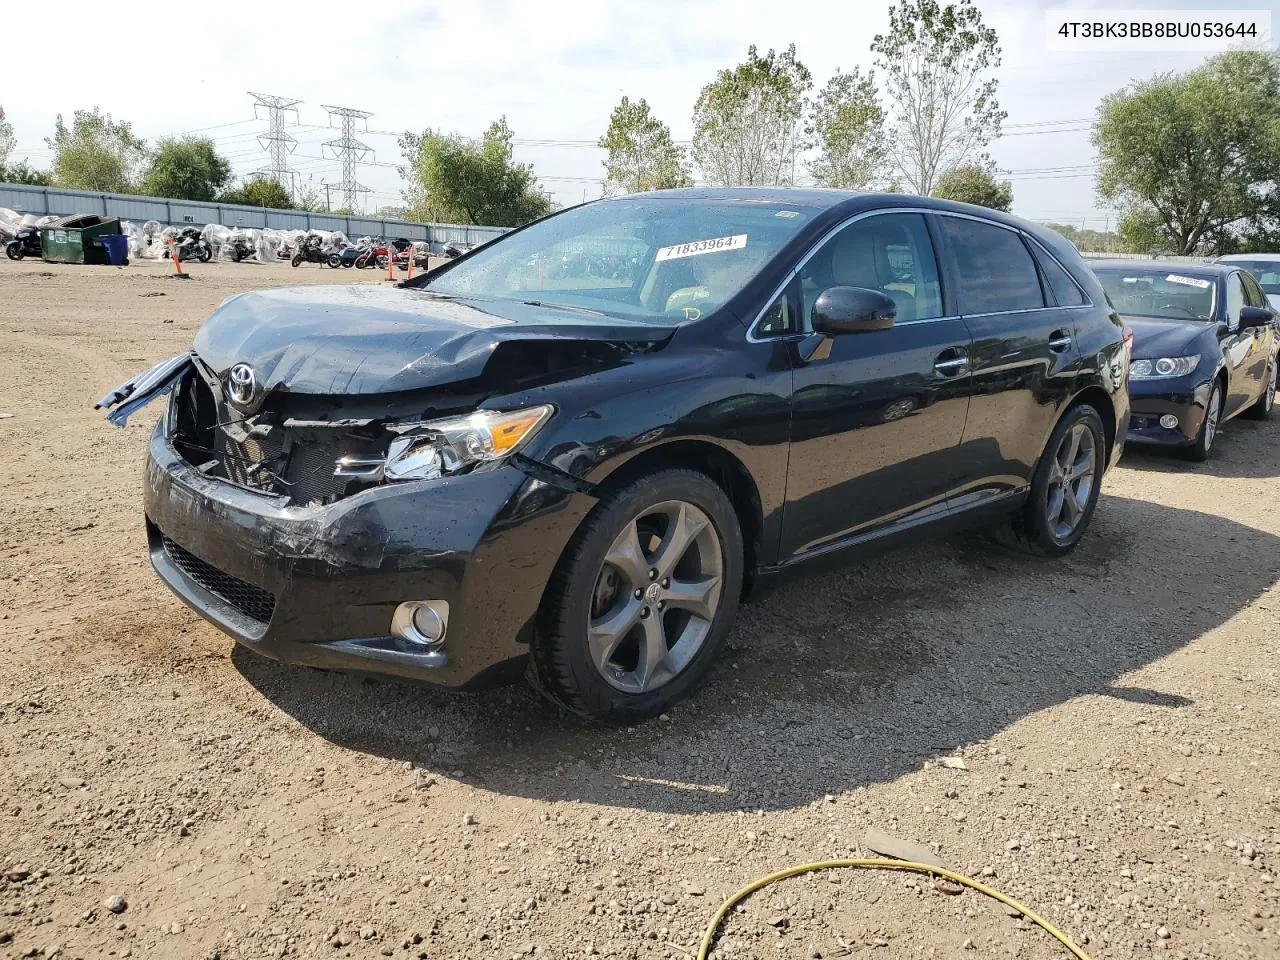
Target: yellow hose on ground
{"points": [[708, 939]]}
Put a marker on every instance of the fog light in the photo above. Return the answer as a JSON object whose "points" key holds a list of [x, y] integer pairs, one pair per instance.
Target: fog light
{"points": [[421, 622], [1169, 422]]}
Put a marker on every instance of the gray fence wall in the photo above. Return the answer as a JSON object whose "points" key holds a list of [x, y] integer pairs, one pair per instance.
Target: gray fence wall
{"points": [[56, 201]]}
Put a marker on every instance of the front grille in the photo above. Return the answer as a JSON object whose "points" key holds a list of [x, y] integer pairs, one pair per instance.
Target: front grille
{"points": [[259, 451], [252, 601]]}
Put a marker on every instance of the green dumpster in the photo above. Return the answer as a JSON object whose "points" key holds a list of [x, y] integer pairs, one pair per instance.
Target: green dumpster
{"points": [[74, 239]]}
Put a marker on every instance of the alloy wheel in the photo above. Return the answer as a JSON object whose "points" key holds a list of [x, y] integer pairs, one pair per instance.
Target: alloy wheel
{"points": [[1072, 475], [1211, 419], [655, 596]]}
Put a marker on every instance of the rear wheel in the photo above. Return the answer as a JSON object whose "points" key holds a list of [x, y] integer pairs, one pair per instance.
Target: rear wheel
{"points": [[334, 261], [642, 599], [1064, 490], [14, 249], [1261, 408], [1200, 450]]}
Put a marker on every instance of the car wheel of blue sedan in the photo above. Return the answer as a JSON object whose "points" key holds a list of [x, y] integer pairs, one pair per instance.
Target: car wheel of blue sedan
{"points": [[1261, 410], [1203, 446], [642, 598]]}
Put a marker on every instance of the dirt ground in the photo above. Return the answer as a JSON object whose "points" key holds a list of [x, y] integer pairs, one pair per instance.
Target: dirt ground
{"points": [[1117, 714]]}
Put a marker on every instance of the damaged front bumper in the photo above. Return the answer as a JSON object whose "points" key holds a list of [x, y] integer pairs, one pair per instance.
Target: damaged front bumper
{"points": [[319, 585]]}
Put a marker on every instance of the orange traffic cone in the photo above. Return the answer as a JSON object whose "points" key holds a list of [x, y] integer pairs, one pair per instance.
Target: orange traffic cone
{"points": [[177, 262]]}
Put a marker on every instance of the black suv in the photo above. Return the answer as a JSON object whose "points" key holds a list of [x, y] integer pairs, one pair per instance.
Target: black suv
{"points": [[526, 459]]}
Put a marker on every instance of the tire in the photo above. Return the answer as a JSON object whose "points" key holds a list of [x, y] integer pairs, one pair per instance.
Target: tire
{"points": [[1202, 448], [206, 254], [14, 249], [585, 588], [297, 259], [347, 264], [1047, 525], [361, 262], [125, 263], [236, 256], [1261, 408], [334, 261]]}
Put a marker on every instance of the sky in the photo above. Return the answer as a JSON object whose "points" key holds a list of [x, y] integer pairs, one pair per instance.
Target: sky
{"points": [[556, 69]]}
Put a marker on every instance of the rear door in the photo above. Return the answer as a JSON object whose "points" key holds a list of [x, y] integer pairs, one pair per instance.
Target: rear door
{"points": [[876, 417], [1023, 358]]}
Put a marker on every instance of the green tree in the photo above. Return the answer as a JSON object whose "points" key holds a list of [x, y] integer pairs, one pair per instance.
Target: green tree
{"points": [[455, 180], [938, 64], [23, 172], [308, 198], [847, 126], [259, 192], [95, 153], [642, 155], [7, 139], [747, 123], [1193, 157], [1142, 230], [975, 183], [186, 169]]}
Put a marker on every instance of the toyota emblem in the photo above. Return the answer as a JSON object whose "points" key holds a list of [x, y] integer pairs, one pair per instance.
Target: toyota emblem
{"points": [[242, 385]]}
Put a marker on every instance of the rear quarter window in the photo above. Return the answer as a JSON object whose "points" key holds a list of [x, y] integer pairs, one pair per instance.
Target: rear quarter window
{"points": [[995, 272]]}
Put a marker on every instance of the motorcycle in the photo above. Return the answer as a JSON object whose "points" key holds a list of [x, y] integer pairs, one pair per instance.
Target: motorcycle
{"points": [[242, 249], [351, 256], [310, 250], [25, 243], [455, 248], [190, 245]]}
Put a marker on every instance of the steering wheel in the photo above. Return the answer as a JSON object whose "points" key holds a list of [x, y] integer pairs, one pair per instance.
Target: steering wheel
{"points": [[1178, 306]]}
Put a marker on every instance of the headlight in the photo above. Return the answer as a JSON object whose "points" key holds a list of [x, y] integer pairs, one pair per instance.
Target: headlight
{"points": [[1164, 367], [443, 447]]}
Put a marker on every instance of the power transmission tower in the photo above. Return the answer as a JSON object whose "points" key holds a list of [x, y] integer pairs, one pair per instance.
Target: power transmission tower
{"points": [[350, 150], [276, 141]]}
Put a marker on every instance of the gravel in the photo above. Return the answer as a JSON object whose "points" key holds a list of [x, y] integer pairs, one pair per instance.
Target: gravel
{"points": [[317, 806]]}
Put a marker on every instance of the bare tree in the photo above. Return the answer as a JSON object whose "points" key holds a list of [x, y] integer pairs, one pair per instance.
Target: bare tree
{"points": [[937, 62]]}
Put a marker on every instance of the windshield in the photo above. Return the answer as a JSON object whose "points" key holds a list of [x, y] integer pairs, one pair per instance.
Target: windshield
{"points": [[1159, 293], [1267, 272], [658, 259]]}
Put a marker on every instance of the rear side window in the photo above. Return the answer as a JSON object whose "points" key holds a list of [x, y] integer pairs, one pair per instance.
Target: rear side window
{"points": [[1061, 286], [994, 269]]}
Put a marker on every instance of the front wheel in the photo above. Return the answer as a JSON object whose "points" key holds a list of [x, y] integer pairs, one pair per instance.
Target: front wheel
{"points": [[14, 249], [1261, 408], [334, 261], [206, 254], [1200, 450], [641, 600], [1064, 490], [297, 259]]}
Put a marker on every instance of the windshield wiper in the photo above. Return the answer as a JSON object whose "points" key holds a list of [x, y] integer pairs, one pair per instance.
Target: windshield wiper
{"points": [[565, 306]]}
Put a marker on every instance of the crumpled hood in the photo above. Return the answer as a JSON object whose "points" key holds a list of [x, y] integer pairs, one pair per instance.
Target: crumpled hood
{"points": [[369, 339], [1154, 338]]}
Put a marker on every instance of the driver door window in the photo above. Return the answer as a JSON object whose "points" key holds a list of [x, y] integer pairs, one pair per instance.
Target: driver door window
{"points": [[891, 253]]}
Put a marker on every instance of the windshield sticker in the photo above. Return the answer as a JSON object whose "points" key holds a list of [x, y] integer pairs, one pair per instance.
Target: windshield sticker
{"points": [[699, 247], [1189, 281]]}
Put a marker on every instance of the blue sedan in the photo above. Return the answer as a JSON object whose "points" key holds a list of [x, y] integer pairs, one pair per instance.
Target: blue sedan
{"points": [[1204, 348]]}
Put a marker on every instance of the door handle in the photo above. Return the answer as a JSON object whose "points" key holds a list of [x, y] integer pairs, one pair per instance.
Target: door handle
{"points": [[951, 363], [1059, 341]]}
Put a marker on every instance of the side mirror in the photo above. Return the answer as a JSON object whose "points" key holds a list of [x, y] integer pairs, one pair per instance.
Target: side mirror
{"points": [[1249, 317], [852, 310]]}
